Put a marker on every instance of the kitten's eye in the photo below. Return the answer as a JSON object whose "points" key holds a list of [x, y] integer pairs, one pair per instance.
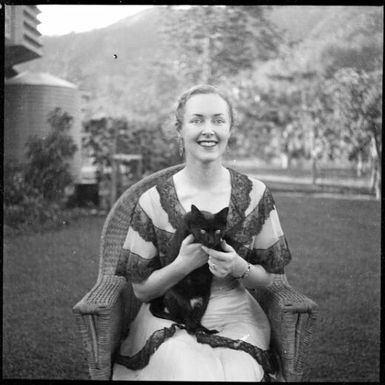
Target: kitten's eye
{"points": [[203, 231], [218, 232]]}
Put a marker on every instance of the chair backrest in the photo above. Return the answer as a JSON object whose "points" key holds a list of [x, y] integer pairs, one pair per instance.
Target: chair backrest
{"points": [[115, 230]]}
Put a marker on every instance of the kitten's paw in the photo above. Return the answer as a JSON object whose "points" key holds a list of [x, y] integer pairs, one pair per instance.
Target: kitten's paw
{"points": [[198, 301]]}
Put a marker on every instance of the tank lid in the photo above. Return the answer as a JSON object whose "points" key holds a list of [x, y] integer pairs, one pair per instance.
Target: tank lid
{"points": [[38, 79]]}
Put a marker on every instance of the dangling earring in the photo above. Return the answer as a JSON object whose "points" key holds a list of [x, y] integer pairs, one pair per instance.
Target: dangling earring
{"points": [[181, 146]]}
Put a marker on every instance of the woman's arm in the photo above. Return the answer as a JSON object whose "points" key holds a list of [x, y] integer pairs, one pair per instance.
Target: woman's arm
{"points": [[251, 275], [223, 263], [159, 281], [190, 257]]}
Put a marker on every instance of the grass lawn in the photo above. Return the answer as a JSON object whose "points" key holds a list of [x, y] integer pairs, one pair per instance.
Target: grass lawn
{"points": [[335, 245], [44, 276]]}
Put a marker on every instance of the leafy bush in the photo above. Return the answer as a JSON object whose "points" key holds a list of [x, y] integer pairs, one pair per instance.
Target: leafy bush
{"points": [[24, 205], [107, 136], [47, 168], [15, 187], [34, 191]]}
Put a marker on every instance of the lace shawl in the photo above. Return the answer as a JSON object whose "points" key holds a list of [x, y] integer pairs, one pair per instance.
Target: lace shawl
{"points": [[241, 230], [131, 265], [141, 359]]}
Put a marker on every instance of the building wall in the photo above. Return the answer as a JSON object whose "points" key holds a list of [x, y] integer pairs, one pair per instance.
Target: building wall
{"points": [[22, 38], [26, 110]]}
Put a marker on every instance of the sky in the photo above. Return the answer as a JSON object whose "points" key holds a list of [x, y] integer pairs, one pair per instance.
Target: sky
{"points": [[62, 19]]}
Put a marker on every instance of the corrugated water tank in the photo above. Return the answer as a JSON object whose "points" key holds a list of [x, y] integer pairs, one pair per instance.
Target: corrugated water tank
{"points": [[28, 99]]}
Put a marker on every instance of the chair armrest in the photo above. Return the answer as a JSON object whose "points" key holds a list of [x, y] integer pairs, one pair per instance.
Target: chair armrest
{"points": [[101, 298], [99, 317], [292, 316], [280, 293]]}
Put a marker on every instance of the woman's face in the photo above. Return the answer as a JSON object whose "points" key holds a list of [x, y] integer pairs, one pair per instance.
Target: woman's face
{"points": [[206, 127]]}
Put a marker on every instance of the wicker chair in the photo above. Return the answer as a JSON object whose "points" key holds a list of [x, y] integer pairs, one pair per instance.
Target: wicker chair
{"points": [[104, 314]]}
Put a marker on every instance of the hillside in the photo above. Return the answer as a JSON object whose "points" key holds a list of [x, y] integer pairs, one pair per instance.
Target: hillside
{"points": [[87, 58], [299, 21], [89, 54]]}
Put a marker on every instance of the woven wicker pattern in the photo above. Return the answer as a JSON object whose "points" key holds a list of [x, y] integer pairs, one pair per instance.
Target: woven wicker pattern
{"points": [[292, 316], [104, 314]]}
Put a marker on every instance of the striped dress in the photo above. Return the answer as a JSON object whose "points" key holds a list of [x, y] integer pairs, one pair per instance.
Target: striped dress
{"points": [[158, 349]]}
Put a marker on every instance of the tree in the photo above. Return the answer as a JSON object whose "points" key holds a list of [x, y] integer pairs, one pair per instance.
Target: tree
{"points": [[47, 168], [108, 136], [359, 44], [292, 111], [208, 43], [357, 99], [275, 123]]}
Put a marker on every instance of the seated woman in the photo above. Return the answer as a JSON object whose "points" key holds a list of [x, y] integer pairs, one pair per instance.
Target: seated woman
{"points": [[155, 348]]}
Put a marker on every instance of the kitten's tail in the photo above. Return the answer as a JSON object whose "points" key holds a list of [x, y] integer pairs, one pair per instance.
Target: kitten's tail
{"points": [[192, 327]]}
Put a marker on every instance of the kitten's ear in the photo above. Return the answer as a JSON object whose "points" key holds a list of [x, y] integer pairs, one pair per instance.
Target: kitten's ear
{"points": [[195, 209], [222, 215]]}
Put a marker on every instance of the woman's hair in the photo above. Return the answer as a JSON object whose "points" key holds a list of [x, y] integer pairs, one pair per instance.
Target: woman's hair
{"points": [[196, 90]]}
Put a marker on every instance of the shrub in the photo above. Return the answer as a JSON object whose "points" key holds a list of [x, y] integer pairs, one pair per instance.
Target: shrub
{"points": [[47, 168], [34, 191], [23, 204], [107, 136]]}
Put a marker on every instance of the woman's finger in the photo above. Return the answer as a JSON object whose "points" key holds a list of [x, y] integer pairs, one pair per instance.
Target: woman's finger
{"points": [[215, 269], [219, 255], [189, 239], [226, 247]]}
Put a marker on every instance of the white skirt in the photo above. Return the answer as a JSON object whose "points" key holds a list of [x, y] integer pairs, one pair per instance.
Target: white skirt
{"points": [[232, 311]]}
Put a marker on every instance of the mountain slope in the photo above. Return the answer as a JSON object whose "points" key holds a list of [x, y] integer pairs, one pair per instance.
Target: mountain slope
{"points": [[92, 53], [134, 78], [135, 37]]}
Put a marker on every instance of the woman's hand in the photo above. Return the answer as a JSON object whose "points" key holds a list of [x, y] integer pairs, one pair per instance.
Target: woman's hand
{"points": [[223, 263], [191, 256]]}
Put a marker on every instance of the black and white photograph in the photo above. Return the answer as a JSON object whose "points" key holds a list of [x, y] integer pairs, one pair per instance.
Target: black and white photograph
{"points": [[192, 192]]}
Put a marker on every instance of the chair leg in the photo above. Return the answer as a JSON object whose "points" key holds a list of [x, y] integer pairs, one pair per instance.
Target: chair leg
{"points": [[86, 325]]}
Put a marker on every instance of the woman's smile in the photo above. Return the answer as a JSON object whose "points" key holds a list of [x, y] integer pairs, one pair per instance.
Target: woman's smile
{"points": [[207, 143]]}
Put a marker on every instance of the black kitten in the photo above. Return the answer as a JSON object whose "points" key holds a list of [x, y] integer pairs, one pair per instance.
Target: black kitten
{"points": [[186, 302]]}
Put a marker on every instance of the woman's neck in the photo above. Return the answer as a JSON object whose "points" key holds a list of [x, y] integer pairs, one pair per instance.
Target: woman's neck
{"points": [[205, 176]]}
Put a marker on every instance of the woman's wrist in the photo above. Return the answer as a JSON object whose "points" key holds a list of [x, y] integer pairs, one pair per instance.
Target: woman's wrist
{"points": [[256, 276], [241, 268], [246, 272], [251, 275]]}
